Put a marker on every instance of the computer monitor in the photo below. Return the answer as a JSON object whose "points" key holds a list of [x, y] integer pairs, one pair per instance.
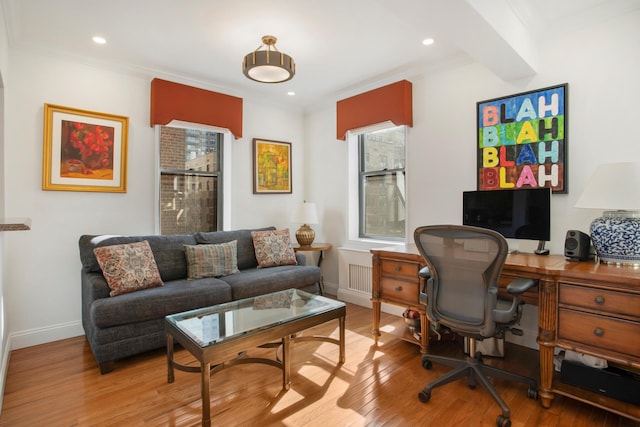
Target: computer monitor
{"points": [[516, 214]]}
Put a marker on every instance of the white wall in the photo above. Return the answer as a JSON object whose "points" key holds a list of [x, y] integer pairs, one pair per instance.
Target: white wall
{"points": [[42, 266], [41, 277], [600, 64], [4, 330]]}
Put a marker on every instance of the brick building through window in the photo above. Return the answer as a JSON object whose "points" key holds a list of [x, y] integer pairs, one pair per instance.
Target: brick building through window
{"points": [[190, 180]]}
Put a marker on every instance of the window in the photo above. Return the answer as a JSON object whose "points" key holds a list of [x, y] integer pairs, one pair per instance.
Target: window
{"points": [[190, 180], [381, 158]]}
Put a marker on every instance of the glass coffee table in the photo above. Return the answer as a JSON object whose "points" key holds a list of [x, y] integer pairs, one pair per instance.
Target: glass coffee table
{"points": [[218, 336]]}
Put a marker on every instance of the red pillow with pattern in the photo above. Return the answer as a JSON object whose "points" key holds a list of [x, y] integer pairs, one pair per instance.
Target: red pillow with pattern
{"points": [[128, 267]]}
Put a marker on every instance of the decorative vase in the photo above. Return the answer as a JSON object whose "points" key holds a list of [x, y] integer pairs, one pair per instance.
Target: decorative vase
{"points": [[305, 235], [616, 237]]}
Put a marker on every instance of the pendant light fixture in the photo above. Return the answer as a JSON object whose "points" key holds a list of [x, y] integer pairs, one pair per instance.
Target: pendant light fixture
{"points": [[268, 65]]}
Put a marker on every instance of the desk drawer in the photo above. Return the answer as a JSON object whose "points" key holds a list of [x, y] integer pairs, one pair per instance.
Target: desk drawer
{"points": [[405, 270], [608, 302], [615, 335], [400, 290]]}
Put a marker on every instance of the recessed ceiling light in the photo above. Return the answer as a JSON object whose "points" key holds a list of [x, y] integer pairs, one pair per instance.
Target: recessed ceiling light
{"points": [[99, 40], [291, 93], [428, 42]]}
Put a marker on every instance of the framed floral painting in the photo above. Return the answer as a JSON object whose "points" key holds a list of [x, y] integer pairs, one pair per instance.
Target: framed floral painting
{"points": [[84, 150], [271, 166]]}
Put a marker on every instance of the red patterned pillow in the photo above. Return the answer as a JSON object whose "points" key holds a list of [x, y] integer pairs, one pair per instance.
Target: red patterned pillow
{"points": [[273, 247], [128, 267]]}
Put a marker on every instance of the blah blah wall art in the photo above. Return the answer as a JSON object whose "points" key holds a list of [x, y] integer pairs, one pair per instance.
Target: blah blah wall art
{"points": [[522, 140]]}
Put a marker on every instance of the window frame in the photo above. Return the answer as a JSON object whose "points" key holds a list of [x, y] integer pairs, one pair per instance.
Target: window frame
{"points": [[358, 226], [222, 174]]}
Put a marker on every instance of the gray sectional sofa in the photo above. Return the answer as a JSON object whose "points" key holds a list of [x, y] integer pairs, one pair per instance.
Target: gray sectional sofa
{"points": [[132, 323]]}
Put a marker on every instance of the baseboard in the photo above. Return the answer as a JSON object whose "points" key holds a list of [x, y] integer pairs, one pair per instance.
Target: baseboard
{"points": [[354, 297], [44, 335], [363, 300], [330, 289], [4, 366]]}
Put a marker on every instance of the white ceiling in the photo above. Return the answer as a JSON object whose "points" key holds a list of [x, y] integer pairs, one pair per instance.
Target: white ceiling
{"points": [[340, 46]]}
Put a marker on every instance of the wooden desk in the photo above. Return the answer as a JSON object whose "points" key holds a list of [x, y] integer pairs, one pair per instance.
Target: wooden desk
{"points": [[582, 306], [395, 281]]}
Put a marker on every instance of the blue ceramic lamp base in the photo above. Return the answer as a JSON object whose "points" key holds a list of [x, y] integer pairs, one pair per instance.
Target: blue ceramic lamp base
{"points": [[616, 237]]}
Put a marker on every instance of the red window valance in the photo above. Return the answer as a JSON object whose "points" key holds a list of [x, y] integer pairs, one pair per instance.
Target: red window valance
{"points": [[175, 101], [392, 102]]}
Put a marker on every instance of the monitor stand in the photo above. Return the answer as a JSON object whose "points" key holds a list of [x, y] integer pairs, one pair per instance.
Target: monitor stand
{"points": [[541, 250]]}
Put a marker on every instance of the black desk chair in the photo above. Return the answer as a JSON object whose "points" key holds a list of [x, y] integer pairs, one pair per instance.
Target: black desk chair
{"points": [[460, 289]]}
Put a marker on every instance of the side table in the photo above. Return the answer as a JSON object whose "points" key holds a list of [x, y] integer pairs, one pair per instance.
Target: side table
{"points": [[315, 247]]}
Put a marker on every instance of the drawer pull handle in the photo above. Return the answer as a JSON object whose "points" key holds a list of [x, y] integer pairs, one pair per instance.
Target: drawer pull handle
{"points": [[398, 288], [598, 332], [599, 300], [397, 268]]}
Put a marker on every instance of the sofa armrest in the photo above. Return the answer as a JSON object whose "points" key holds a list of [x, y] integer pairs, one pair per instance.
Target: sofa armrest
{"points": [[94, 287]]}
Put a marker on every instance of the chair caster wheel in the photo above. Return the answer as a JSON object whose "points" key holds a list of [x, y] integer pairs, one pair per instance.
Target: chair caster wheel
{"points": [[424, 396], [532, 393], [503, 421], [471, 382], [427, 364]]}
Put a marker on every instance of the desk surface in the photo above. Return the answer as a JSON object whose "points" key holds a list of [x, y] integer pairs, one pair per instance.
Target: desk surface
{"points": [[550, 265]]}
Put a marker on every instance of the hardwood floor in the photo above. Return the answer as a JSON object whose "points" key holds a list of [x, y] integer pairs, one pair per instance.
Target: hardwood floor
{"points": [[58, 384]]}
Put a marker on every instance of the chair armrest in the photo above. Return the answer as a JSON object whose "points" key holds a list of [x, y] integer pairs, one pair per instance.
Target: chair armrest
{"points": [[521, 285], [424, 273], [425, 276]]}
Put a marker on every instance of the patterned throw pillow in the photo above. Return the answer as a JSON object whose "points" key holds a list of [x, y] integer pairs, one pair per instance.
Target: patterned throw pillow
{"points": [[273, 247], [128, 267], [212, 260]]}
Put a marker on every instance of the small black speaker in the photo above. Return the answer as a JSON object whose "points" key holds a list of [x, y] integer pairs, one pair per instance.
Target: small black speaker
{"points": [[577, 246]]}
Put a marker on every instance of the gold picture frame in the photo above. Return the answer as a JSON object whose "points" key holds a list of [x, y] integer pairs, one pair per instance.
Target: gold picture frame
{"points": [[84, 150], [271, 166]]}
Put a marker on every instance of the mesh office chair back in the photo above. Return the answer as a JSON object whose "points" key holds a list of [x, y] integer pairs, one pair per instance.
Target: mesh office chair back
{"points": [[465, 264]]}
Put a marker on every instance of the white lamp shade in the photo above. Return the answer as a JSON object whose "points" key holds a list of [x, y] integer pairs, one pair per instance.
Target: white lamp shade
{"points": [[305, 213], [613, 186]]}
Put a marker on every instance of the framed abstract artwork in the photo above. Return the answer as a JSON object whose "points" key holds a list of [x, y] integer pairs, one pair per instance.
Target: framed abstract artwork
{"points": [[522, 140], [271, 166], [84, 150]]}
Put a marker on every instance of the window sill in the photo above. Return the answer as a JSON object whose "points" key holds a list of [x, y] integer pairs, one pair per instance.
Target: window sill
{"points": [[368, 244]]}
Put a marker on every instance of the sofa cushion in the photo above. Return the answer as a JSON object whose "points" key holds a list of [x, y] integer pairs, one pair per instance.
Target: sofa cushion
{"points": [[168, 252], [155, 303], [260, 281], [212, 260], [246, 253], [273, 248], [129, 267]]}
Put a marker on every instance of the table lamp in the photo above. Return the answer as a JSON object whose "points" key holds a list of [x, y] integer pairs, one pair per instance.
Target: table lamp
{"points": [[305, 214], [615, 188]]}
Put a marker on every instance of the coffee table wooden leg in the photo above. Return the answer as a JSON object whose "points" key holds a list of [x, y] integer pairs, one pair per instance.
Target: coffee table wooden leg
{"points": [[342, 325], [286, 363], [206, 402]]}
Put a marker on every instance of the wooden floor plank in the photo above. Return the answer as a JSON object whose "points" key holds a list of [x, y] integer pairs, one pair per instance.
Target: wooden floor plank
{"points": [[59, 384]]}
